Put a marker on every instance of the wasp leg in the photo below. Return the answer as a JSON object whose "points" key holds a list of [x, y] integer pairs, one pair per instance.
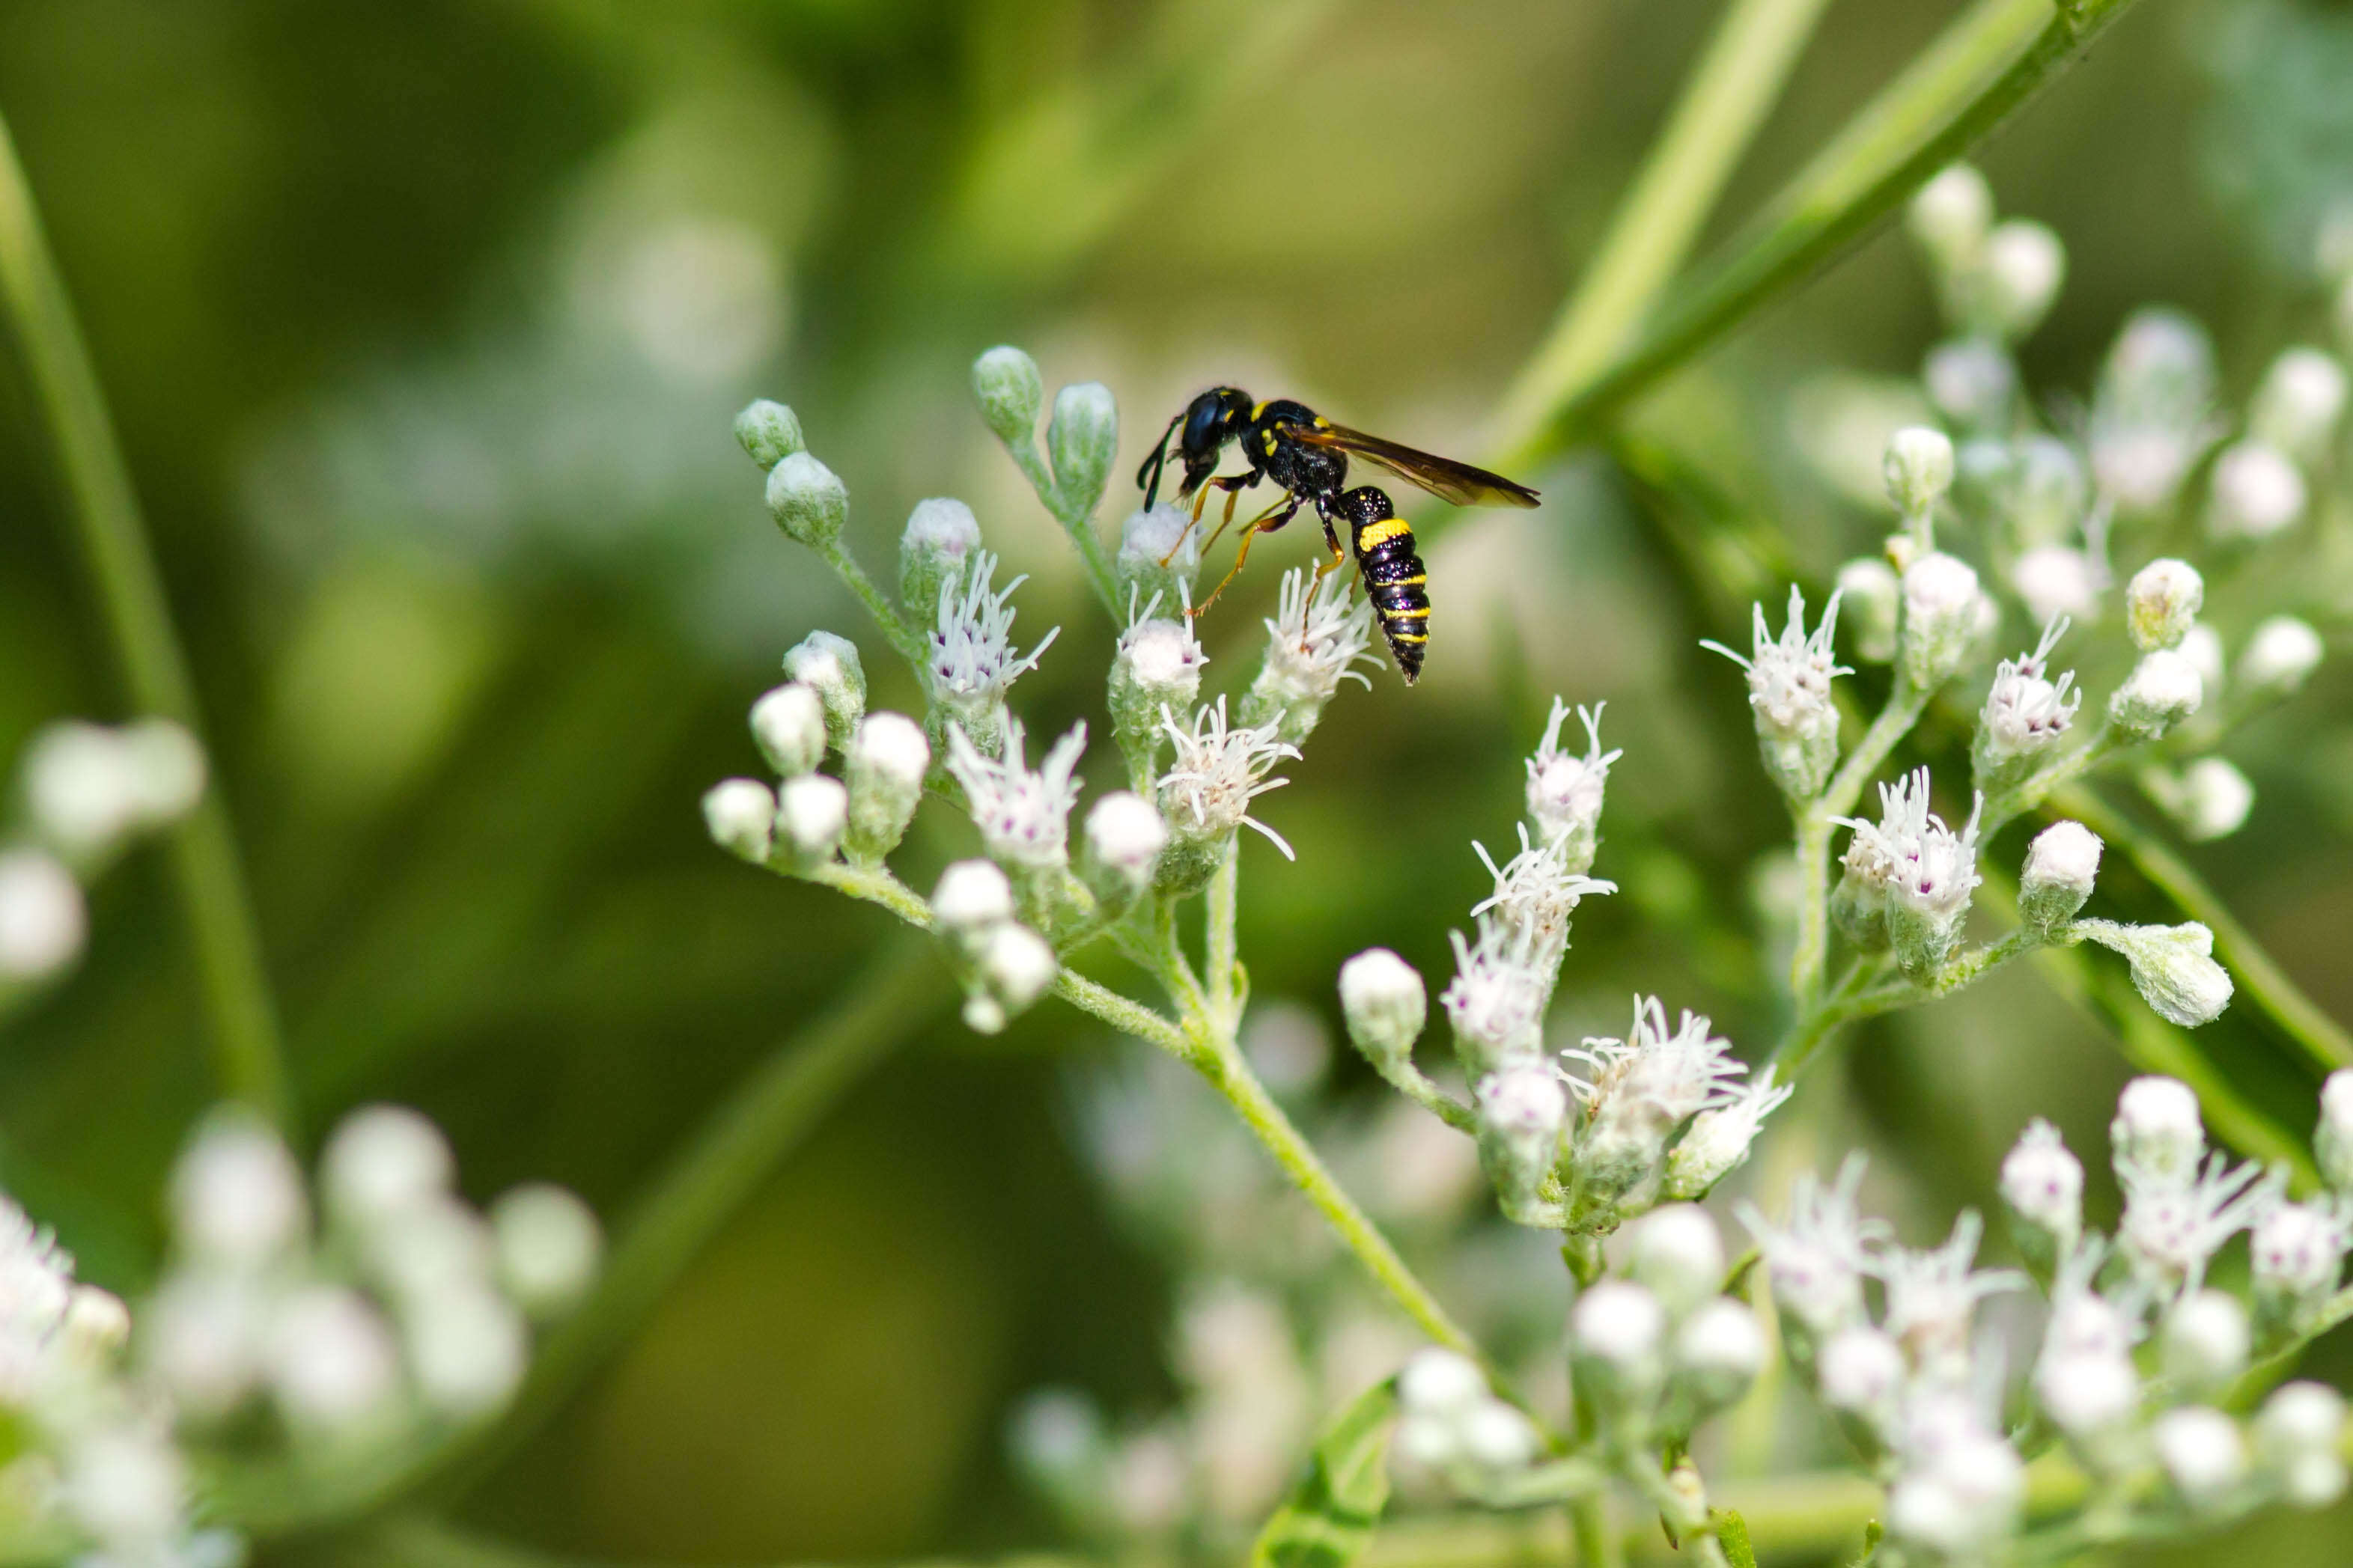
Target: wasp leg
{"points": [[1267, 522], [1232, 484]]}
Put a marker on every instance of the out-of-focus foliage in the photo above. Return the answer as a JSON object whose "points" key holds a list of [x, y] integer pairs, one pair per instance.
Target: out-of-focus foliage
{"points": [[423, 325]]}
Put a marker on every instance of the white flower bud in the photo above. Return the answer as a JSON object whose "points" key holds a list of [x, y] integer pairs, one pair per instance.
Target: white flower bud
{"points": [[2210, 800], [2201, 1453], [1011, 391], [1616, 1339], [788, 726], [1719, 1350], [1081, 439], [884, 766], [1678, 1254], [971, 897], [2043, 1184], [1790, 694], [1437, 1381], [1521, 1108], [1158, 671], [2046, 493], [1972, 382], [385, 1161], [941, 537], [1861, 1370], [2062, 863], [829, 665], [2163, 690], [1496, 1438], [2296, 1251], [809, 502], [2018, 278], [88, 787], [2279, 657], [2255, 492], [1385, 1005], [769, 432], [467, 1348], [2056, 580], [43, 922], [332, 1359], [2162, 603], [742, 817], [2299, 402], [1950, 216], [1015, 966], [2158, 1130], [2203, 648], [2297, 1438], [812, 816], [125, 1484], [1718, 1139], [1566, 791], [2088, 1392], [1942, 605], [237, 1196], [2173, 967], [1963, 1504], [1869, 594], [1148, 537], [2332, 1142], [1919, 469], [1124, 836], [549, 1246], [2206, 1341]]}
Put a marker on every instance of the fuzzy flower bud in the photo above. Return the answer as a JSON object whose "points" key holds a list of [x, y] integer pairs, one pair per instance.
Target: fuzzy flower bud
{"points": [[829, 665], [788, 726], [2201, 1454], [2299, 402], [2206, 1341], [1860, 1371], [2016, 280], [88, 787], [332, 1359], [1013, 967], [742, 817], [2297, 1252], [2045, 493], [2256, 492], [2162, 603], [43, 922], [384, 1163], [941, 537], [2210, 800], [2062, 863], [2332, 1142], [1216, 771], [1789, 694], [1919, 469], [237, 1196], [1312, 645], [1147, 539], [1718, 1353], [1156, 670], [1124, 837], [1521, 1108], [1011, 391], [2279, 657], [548, 1246], [2043, 1187], [2057, 580], [812, 816], [884, 766], [1081, 439], [1941, 618], [2173, 968], [809, 502], [1718, 1140], [1972, 382], [1908, 878], [2297, 1439], [2026, 713], [1869, 592], [2151, 411], [1678, 1256], [1950, 216], [2158, 1130], [1616, 1334], [2163, 690], [1385, 1005], [769, 432], [972, 896], [1564, 790]]}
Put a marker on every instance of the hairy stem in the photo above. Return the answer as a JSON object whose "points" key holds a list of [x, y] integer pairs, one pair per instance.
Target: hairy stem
{"points": [[1815, 821], [1591, 1531], [1220, 948], [1723, 102], [887, 620], [206, 874]]}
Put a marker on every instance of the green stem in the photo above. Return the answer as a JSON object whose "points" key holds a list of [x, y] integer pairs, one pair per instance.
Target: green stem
{"points": [[1723, 102], [2260, 977], [886, 618], [1220, 948], [1984, 65], [1595, 1540], [1079, 525], [1816, 819], [205, 872]]}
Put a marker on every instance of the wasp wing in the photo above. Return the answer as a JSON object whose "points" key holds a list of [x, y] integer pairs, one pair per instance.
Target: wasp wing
{"points": [[1458, 483]]}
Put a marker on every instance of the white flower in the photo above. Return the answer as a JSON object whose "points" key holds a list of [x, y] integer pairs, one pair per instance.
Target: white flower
{"points": [[2210, 799], [971, 897], [1638, 1090], [382, 1162], [1521, 1110], [1314, 643], [2171, 1230], [972, 662], [549, 1246], [236, 1196], [125, 1484], [1862, 1373], [1678, 1254], [1157, 669], [1124, 837], [2058, 580], [813, 814], [36, 1291], [1385, 1004], [1718, 1140], [2163, 690], [1565, 790], [2256, 492], [1819, 1256], [332, 1359], [2162, 602], [940, 538], [2063, 863], [884, 766], [1943, 609], [2296, 1439], [2087, 1393], [1535, 894], [1789, 691], [741, 814], [808, 499], [2203, 648], [2158, 1134], [2026, 713], [2332, 1140], [43, 921], [1496, 999], [2280, 655], [1869, 592], [1024, 818], [467, 1347], [1718, 1351], [1919, 469], [88, 786], [2150, 414], [2296, 408], [2043, 1184], [1148, 537], [2201, 1452], [1950, 216], [829, 665], [1918, 871], [1619, 1323], [1438, 1381], [2019, 277], [788, 725], [1013, 966], [2297, 1251], [2173, 968], [1962, 1488], [2206, 1341], [1216, 773], [1933, 1296]]}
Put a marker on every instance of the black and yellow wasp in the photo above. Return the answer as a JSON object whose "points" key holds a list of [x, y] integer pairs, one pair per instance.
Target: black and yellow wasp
{"points": [[1307, 455]]}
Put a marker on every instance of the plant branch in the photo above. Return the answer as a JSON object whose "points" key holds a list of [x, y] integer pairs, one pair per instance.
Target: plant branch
{"points": [[206, 874]]}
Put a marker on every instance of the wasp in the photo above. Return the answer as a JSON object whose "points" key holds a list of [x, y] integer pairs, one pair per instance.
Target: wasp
{"points": [[1307, 456]]}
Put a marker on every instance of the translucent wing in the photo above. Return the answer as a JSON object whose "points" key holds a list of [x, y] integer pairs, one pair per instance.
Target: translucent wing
{"points": [[1448, 481]]}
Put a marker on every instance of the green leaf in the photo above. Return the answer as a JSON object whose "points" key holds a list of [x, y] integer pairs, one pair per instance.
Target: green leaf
{"points": [[1731, 1534], [1331, 1512]]}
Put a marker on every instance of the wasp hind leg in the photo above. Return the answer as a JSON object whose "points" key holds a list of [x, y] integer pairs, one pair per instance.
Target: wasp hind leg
{"points": [[1267, 522], [1233, 485]]}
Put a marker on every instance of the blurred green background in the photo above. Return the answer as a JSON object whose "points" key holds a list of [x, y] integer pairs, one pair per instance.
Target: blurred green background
{"points": [[423, 325]]}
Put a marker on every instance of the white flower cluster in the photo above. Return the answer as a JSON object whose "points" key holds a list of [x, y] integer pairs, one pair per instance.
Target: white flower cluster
{"points": [[88, 790]]}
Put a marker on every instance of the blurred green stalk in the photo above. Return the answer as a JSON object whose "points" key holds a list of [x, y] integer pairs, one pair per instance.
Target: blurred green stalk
{"points": [[104, 510]]}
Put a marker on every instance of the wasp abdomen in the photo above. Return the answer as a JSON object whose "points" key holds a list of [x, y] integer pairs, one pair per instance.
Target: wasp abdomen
{"points": [[1395, 578]]}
